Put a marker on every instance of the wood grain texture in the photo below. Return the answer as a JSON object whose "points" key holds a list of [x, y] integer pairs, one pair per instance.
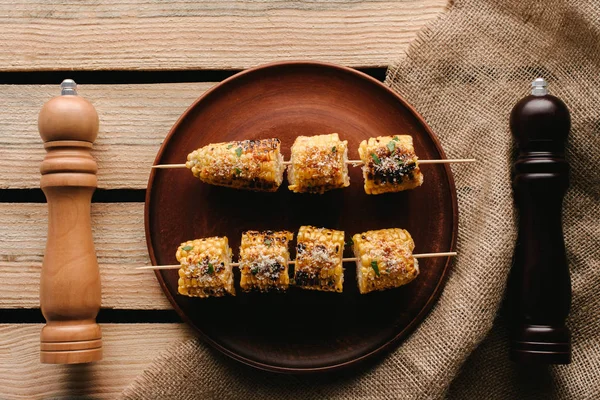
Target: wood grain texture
{"points": [[134, 120], [120, 246], [151, 35], [126, 355]]}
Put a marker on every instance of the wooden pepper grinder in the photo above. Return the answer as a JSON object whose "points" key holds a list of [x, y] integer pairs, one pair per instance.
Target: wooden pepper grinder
{"points": [[70, 282], [540, 286]]}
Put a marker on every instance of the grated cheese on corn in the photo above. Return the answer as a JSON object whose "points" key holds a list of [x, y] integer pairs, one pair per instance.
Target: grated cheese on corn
{"points": [[318, 164], [205, 268], [390, 164], [319, 253], [249, 164], [264, 259], [384, 259]]}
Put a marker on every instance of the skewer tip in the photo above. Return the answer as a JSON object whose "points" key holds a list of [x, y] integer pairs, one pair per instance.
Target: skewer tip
{"points": [[166, 166]]}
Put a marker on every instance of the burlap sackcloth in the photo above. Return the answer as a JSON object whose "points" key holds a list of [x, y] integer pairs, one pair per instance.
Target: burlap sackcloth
{"points": [[464, 74]]}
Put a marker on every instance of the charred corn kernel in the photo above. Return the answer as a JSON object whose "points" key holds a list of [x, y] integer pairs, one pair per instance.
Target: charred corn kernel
{"points": [[319, 253], [389, 164], [205, 268], [318, 164], [384, 259], [264, 258], [249, 164]]}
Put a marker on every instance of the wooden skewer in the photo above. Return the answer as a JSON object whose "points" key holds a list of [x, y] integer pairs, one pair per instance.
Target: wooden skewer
{"points": [[432, 255], [350, 259], [165, 166], [350, 162], [453, 161]]}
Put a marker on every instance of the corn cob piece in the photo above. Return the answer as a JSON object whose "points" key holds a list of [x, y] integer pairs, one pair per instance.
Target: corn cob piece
{"points": [[249, 164], [264, 258], [385, 259], [318, 164], [390, 164], [205, 268], [319, 255]]}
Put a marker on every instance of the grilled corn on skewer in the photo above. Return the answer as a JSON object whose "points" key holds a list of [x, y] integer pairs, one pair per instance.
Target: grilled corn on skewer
{"points": [[264, 259], [249, 164], [389, 164], [205, 268], [319, 253], [384, 259], [318, 164]]}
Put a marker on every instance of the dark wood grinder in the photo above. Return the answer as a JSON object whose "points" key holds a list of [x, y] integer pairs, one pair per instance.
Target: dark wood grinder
{"points": [[539, 286]]}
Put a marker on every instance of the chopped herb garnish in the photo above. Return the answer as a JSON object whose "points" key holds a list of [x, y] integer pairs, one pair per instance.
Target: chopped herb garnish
{"points": [[254, 270], [268, 242], [237, 171], [230, 146], [396, 138], [350, 242], [375, 267], [375, 158], [238, 151], [210, 270], [187, 248], [391, 146], [333, 149]]}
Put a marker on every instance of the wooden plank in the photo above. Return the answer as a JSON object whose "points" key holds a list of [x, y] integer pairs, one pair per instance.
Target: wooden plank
{"points": [[120, 242], [151, 35], [134, 120], [128, 350]]}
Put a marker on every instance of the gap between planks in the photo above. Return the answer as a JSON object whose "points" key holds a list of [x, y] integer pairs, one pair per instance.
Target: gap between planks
{"points": [[121, 77]]}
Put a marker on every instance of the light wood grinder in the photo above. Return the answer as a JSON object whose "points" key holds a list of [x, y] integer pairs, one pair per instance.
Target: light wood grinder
{"points": [[70, 281]]}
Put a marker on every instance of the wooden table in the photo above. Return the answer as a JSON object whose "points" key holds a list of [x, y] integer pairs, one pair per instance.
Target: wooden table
{"points": [[141, 64]]}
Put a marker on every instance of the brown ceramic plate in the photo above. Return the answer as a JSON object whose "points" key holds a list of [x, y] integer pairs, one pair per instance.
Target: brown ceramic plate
{"points": [[300, 331]]}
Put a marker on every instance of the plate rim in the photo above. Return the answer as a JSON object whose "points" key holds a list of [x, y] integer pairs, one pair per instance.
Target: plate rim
{"points": [[401, 335]]}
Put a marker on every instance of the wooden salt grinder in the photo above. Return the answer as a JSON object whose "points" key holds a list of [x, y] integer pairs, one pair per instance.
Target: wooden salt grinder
{"points": [[540, 286], [70, 282]]}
